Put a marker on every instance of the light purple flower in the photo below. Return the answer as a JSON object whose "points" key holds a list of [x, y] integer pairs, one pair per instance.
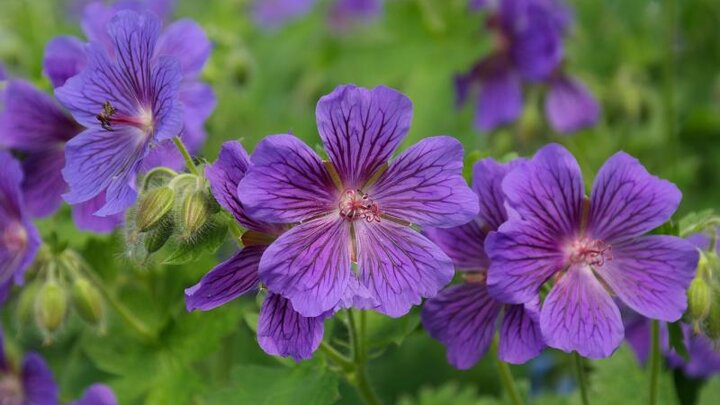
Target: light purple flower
{"points": [[19, 240], [33, 383], [97, 394], [281, 330], [129, 103], [463, 317], [589, 248], [343, 13], [355, 209], [569, 105]]}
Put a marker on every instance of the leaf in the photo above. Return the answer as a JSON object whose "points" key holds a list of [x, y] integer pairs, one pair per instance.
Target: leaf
{"points": [[710, 393], [383, 330], [677, 340], [450, 393]]}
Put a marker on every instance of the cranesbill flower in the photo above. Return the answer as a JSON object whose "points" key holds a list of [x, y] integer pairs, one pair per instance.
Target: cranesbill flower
{"points": [[463, 317], [97, 394], [276, 13], [356, 209], [31, 383], [281, 330], [128, 102], [590, 248], [19, 240]]}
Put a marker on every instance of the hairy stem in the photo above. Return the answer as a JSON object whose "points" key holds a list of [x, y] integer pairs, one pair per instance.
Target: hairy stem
{"points": [[506, 378], [186, 155], [654, 362], [581, 378]]}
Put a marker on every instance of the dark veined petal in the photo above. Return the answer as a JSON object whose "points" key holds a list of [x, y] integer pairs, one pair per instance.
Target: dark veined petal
{"points": [[500, 100], [97, 394], [520, 335], [579, 315], [99, 160], [570, 106], [166, 106], [227, 281], [424, 185], [85, 219], [488, 175], [522, 259], [224, 176], [361, 129], [64, 58], [310, 265], [38, 381], [282, 331], [399, 266], [275, 13], [462, 318], [465, 244], [547, 192], [627, 201], [287, 182], [651, 275], [187, 42], [43, 184], [32, 120]]}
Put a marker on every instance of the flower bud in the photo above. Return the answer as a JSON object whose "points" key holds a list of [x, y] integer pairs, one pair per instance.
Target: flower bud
{"points": [[87, 301], [50, 306], [194, 213], [699, 299], [156, 238], [154, 207], [26, 302]]}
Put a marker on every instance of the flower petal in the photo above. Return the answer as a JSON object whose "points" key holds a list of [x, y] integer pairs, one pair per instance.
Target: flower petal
{"points": [[548, 192], [38, 381], [64, 58], [627, 201], [32, 120], [651, 275], [275, 13], [310, 265], [425, 185], [399, 265], [462, 318], [464, 244], [488, 175], [284, 332], [500, 100], [227, 281], [361, 129], [520, 335], [199, 101], [97, 394], [187, 42], [85, 219], [344, 13], [570, 106], [579, 315], [287, 182], [43, 184], [522, 259]]}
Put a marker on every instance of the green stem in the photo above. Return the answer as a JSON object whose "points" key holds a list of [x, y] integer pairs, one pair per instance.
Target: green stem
{"points": [[654, 362], [186, 155], [337, 357], [581, 378], [506, 378], [358, 342]]}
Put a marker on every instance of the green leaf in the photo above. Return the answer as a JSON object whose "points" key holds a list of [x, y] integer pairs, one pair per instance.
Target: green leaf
{"points": [[450, 393], [710, 393], [677, 340], [383, 330]]}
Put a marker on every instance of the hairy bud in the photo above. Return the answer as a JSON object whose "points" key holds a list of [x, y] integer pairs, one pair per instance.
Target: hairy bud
{"points": [[51, 306], [87, 301], [154, 207], [26, 302], [699, 299], [156, 238], [194, 213]]}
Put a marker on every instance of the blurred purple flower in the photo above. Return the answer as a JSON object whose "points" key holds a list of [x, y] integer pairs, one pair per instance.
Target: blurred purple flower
{"points": [[590, 247], [97, 394], [281, 330], [19, 240], [33, 383], [569, 106], [463, 317], [343, 13], [355, 208], [128, 102]]}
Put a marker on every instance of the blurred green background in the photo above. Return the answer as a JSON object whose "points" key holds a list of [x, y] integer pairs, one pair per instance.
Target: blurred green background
{"points": [[654, 66]]}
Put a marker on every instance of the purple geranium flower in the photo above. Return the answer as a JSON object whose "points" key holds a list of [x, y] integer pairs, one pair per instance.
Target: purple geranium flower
{"points": [[463, 317], [590, 248], [281, 330], [19, 240], [276, 13], [129, 102], [356, 209], [97, 394], [32, 383]]}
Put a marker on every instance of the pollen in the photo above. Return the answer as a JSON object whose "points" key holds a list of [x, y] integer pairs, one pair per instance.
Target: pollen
{"points": [[591, 252], [354, 204], [14, 237]]}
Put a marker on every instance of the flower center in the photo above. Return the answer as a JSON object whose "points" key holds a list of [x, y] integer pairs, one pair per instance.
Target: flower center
{"points": [[15, 237], [11, 390], [109, 116], [590, 252], [354, 204]]}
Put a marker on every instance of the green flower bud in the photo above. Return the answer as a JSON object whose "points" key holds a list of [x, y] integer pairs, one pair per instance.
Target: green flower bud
{"points": [[26, 302], [699, 299], [154, 207], [156, 238], [194, 213], [51, 306], [87, 301]]}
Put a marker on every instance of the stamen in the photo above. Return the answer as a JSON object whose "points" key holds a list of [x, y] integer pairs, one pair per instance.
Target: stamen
{"points": [[590, 252], [109, 116], [354, 204], [14, 237]]}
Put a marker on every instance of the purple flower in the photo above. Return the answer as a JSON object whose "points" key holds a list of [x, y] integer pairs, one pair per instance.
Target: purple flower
{"points": [[589, 248], [355, 208], [276, 13], [463, 317], [281, 330], [19, 240], [33, 383], [569, 106], [97, 394], [129, 103]]}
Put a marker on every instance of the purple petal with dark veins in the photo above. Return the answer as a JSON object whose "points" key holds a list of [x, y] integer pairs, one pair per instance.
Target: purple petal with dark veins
{"points": [[64, 58], [464, 244], [488, 176], [520, 335], [43, 184]]}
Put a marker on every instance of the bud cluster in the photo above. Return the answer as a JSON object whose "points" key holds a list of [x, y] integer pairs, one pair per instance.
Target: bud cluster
{"points": [[704, 293]]}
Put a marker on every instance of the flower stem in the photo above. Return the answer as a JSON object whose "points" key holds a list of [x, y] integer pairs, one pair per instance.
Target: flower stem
{"points": [[506, 378], [581, 378], [654, 362], [337, 357], [186, 155]]}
